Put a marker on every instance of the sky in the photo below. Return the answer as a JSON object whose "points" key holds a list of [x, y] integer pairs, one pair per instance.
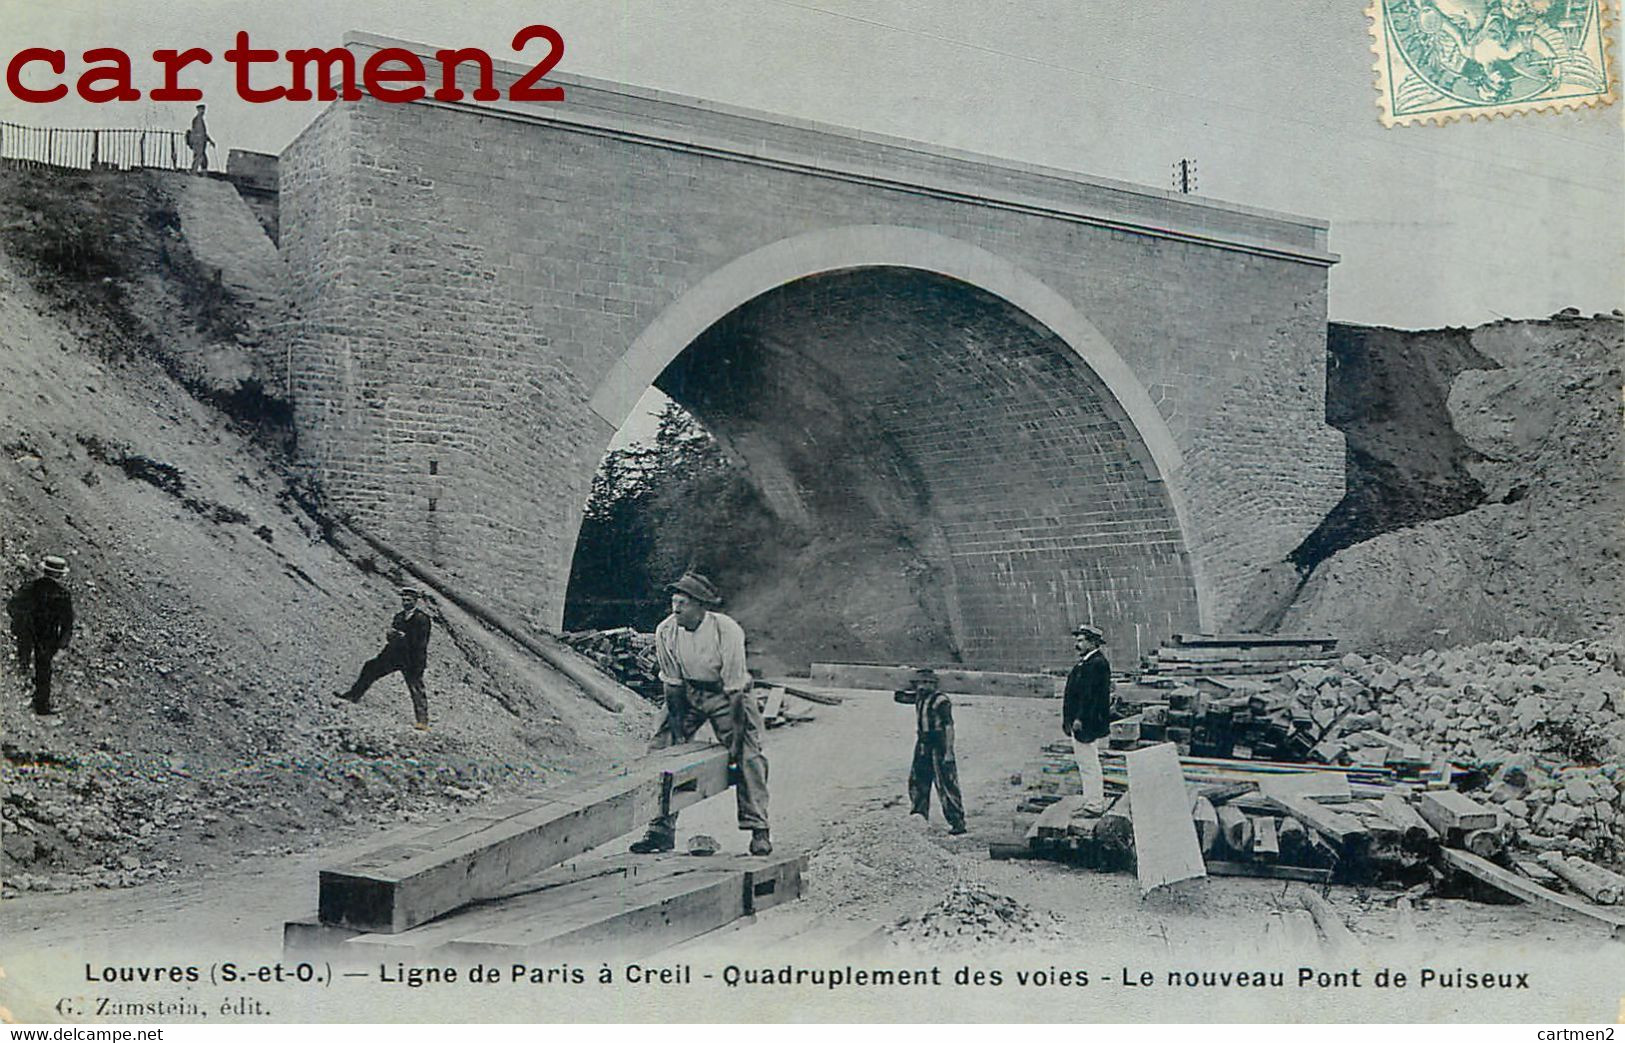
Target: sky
{"points": [[1274, 99]]}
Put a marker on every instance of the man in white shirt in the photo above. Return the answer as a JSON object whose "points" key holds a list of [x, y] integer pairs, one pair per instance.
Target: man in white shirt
{"points": [[701, 654]]}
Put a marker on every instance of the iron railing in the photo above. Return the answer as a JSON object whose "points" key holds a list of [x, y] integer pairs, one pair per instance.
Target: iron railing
{"points": [[111, 149]]}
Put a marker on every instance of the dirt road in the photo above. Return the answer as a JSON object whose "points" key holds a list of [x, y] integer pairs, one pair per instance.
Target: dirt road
{"points": [[838, 793]]}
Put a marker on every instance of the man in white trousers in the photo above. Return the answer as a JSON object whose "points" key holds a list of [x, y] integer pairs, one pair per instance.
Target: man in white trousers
{"points": [[1086, 711]]}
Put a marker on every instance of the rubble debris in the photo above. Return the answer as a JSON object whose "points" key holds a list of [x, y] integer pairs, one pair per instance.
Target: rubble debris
{"points": [[972, 916]]}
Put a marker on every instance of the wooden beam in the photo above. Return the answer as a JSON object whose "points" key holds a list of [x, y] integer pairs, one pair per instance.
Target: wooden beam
{"points": [[1327, 787], [1331, 925], [1529, 891], [822, 698], [398, 887], [1166, 850], [1054, 821], [1266, 842], [1537, 872], [619, 921], [1269, 872], [1347, 833], [1293, 840], [1255, 640], [1448, 809], [1207, 823], [955, 680], [1593, 882], [1237, 830], [1415, 831]]}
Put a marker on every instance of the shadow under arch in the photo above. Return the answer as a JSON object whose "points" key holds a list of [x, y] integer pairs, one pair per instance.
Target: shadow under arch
{"points": [[887, 246]]}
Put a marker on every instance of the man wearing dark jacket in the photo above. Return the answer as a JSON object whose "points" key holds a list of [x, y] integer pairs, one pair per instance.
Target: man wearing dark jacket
{"points": [[933, 751], [42, 621], [1086, 710], [406, 649]]}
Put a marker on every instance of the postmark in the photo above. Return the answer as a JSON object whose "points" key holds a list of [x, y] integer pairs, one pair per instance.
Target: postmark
{"points": [[1441, 60]]}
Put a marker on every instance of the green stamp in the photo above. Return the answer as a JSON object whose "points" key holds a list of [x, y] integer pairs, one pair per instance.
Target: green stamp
{"points": [[1439, 60]]}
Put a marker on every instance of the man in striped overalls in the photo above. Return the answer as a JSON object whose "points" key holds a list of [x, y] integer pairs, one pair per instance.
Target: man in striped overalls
{"points": [[933, 751]]}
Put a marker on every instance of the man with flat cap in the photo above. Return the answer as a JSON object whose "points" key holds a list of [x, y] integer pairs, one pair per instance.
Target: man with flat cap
{"points": [[701, 653], [41, 614], [1086, 710], [406, 650], [933, 751]]}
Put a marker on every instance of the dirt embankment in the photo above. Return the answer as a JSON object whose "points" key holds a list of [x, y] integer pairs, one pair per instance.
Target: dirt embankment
{"points": [[1485, 489], [215, 620]]}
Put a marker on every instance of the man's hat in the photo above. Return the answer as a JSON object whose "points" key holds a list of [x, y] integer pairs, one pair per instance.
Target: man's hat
{"points": [[1089, 630], [924, 673], [697, 587], [53, 566], [411, 592]]}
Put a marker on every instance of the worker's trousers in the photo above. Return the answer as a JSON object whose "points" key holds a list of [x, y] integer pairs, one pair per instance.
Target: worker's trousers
{"points": [[382, 665], [39, 656], [1089, 772], [934, 760], [736, 721]]}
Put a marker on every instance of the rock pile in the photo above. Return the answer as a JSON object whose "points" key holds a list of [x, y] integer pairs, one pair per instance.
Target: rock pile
{"points": [[973, 916], [1541, 723]]}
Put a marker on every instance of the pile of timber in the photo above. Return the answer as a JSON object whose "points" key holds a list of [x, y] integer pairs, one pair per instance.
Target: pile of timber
{"points": [[626, 654], [1295, 822], [1235, 655], [512, 881]]}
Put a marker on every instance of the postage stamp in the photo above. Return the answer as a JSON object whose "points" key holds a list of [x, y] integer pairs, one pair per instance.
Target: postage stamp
{"points": [[1440, 60]]}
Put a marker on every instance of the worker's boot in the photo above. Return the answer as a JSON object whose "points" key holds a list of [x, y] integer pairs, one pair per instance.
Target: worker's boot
{"points": [[653, 843], [759, 842], [958, 829]]}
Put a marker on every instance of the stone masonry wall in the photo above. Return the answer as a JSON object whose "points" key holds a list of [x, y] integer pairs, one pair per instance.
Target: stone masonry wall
{"points": [[482, 274]]}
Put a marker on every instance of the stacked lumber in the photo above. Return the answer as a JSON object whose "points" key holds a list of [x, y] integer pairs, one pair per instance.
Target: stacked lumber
{"points": [[626, 654], [1311, 824], [621, 905], [505, 881], [1296, 822], [1236, 655]]}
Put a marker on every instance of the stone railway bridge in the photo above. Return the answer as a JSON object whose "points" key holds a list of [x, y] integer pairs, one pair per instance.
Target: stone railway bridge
{"points": [[1068, 398]]}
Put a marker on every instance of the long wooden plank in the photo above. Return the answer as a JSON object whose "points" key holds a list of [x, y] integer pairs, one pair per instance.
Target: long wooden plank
{"points": [[1255, 640], [1238, 653], [1348, 833], [773, 705], [405, 885], [627, 922], [1054, 820], [951, 679], [1326, 787], [1269, 872], [822, 698], [1166, 848], [1516, 886]]}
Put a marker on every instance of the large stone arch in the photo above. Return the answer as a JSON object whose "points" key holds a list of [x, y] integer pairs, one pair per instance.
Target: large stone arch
{"points": [[852, 249]]}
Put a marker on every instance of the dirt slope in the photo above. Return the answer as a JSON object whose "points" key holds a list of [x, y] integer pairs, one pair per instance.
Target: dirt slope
{"points": [[1540, 435], [214, 618]]}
